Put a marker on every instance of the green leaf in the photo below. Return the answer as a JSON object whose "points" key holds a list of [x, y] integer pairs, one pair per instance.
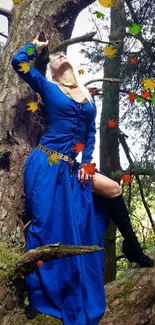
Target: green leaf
{"points": [[135, 29], [140, 100], [152, 98], [30, 50], [99, 14]]}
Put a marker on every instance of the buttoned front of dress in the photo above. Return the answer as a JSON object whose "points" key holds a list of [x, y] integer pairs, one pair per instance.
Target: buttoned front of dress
{"points": [[68, 123]]}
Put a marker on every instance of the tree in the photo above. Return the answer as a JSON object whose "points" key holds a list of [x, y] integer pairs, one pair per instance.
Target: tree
{"points": [[136, 116], [19, 130], [109, 145]]}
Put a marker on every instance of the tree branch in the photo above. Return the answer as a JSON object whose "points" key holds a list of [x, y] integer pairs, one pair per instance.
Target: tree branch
{"points": [[84, 38], [5, 12], [3, 35], [132, 171], [126, 150], [146, 44], [143, 228], [106, 42], [145, 203], [27, 262], [112, 80], [124, 91], [132, 12]]}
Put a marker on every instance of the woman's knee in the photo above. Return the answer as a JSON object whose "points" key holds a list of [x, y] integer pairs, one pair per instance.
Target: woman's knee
{"points": [[114, 190], [105, 186]]}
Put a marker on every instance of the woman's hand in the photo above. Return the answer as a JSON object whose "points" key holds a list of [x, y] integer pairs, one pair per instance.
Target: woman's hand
{"points": [[83, 177], [39, 45]]}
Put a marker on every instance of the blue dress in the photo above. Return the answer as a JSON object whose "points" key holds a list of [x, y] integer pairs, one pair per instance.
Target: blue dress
{"points": [[62, 209]]}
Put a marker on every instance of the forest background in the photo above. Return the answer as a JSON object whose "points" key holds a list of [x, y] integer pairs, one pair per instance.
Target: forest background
{"points": [[136, 116], [125, 142]]}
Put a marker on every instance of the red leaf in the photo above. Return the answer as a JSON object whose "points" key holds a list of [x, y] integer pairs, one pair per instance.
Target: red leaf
{"points": [[79, 146], [92, 91], [39, 263], [132, 97], [126, 178], [133, 61], [90, 168], [146, 94], [112, 123]]}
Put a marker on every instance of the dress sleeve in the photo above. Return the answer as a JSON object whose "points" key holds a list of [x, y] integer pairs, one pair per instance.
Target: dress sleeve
{"points": [[28, 73], [90, 137]]}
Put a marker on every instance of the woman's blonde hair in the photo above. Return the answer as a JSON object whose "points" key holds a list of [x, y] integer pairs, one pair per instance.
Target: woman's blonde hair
{"points": [[48, 76]]}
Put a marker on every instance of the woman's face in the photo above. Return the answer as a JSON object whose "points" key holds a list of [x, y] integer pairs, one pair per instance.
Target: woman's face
{"points": [[60, 61]]}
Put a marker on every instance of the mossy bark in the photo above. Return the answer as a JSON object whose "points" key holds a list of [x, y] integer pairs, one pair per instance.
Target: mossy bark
{"points": [[40, 319], [130, 300], [109, 146]]}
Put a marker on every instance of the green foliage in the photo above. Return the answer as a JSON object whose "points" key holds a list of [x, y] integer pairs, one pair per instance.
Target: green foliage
{"points": [[40, 319], [134, 29], [123, 293], [140, 99], [8, 257], [139, 220], [99, 14], [136, 117]]}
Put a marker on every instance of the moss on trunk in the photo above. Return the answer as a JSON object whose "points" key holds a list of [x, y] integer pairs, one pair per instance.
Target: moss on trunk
{"points": [[39, 320]]}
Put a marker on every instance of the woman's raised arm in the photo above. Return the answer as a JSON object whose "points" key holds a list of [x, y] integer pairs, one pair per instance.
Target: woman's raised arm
{"points": [[21, 64]]}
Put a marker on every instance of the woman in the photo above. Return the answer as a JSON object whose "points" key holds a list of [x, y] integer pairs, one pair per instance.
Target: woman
{"points": [[60, 201]]}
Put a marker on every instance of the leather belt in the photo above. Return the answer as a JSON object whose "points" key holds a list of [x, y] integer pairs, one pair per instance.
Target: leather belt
{"points": [[60, 155]]}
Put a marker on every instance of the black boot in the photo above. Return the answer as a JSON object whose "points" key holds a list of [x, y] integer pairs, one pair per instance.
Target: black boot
{"points": [[131, 247], [31, 312]]}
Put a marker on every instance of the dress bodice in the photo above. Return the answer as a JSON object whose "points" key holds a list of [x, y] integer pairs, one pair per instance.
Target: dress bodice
{"points": [[69, 121]]}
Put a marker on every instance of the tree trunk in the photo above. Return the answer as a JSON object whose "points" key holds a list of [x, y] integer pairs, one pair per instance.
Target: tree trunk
{"points": [[21, 130], [109, 147]]}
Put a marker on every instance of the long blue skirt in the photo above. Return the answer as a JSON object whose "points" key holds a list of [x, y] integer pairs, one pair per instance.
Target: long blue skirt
{"points": [[64, 210]]}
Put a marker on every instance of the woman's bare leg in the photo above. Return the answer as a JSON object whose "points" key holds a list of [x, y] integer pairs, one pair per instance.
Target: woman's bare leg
{"points": [[105, 186]]}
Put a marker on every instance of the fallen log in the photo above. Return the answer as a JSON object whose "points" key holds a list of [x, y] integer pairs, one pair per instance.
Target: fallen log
{"points": [[28, 262], [131, 300]]}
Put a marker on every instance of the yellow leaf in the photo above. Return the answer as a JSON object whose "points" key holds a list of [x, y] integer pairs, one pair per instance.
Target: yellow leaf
{"points": [[25, 67], [110, 51], [148, 84], [16, 2], [106, 3], [81, 71], [32, 106], [53, 159]]}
